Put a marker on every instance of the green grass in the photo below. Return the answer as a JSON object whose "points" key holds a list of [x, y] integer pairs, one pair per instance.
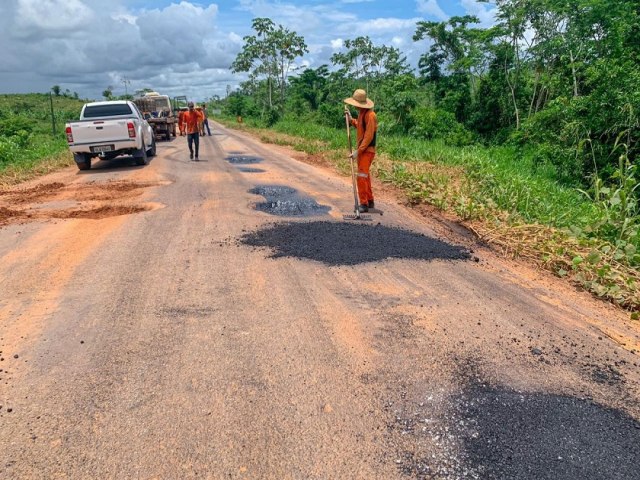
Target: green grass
{"points": [[495, 175], [28, 142]]}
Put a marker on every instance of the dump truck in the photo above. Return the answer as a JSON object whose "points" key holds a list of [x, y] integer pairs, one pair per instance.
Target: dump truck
{"points": [[157, 110]]}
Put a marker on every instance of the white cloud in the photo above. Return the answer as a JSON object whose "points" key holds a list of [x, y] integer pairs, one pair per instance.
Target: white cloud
{"points": [[81, 43], [486, 12], [390, 25], [179, 48], [431, 8], [52, 17]]}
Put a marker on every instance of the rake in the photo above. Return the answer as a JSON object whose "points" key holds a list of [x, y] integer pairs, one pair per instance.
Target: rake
{"points": [[356, 215]]}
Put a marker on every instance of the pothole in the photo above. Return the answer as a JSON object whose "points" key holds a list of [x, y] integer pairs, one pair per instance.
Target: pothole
{"points": [[25, 195], [243, 159], [99, 212], [251, 170], [57, 200], [336, 243], [7, 214], [286, 202], [273, 191]]}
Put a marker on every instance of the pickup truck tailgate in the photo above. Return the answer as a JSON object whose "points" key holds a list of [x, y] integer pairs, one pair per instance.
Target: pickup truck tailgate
{"points": [[99, 132]]}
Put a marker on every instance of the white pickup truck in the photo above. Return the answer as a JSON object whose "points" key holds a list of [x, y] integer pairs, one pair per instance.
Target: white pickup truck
{"points": [[109, 129]]}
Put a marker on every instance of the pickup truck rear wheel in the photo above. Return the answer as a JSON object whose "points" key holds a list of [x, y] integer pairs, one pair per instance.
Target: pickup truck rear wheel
{"points": [[142, 159], [152, 150], [85, 163]]}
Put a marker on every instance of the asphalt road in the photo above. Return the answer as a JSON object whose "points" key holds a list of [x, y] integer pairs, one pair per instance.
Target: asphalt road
{"points": [[219, 319]]}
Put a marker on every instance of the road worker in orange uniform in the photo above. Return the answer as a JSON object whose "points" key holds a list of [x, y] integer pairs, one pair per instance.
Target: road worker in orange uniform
{"points": [[192, 120], [181, 125], [367, 127], [201, 125]]}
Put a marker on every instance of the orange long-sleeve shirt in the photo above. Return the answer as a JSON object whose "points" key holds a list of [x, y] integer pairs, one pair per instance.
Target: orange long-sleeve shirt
{"points": [[364, 137], [192, 120]]}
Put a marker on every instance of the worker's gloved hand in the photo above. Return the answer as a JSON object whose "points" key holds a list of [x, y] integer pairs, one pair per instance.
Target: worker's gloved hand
{"points": [[354, 156]]}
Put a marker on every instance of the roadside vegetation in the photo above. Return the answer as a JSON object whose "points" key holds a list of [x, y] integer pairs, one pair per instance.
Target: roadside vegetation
{"points": [[29, 145], [526, 131]]}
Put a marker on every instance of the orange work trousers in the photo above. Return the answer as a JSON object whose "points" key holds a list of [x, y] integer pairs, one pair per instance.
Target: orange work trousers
{"points": [[364, 177]]}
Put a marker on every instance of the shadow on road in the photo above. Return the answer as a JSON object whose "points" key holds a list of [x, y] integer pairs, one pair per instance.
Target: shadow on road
{"points": [[123, 164]]}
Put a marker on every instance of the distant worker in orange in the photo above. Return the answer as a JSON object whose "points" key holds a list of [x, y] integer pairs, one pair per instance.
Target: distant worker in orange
{"points": [[367, 127], [193, 120], [201, 124], [181, 125], [206, 119]]}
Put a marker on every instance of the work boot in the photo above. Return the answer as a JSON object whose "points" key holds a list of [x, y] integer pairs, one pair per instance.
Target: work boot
{"points": [[371, 204], [363, 208]]}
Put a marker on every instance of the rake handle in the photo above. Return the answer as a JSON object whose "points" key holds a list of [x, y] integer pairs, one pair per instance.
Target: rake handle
{"points": [[353, 172]]}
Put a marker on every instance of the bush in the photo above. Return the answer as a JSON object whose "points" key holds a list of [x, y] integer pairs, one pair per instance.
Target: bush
{"points": [[9, 150], [388, 125], [271, 116], [12, 124], [331, 115], [432, 123]]}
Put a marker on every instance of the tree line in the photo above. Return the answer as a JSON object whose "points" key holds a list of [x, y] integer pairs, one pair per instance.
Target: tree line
{"points": [[558, 79]]}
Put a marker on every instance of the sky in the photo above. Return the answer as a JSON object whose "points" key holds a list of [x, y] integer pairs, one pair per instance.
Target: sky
{"points": [[186, 47]]}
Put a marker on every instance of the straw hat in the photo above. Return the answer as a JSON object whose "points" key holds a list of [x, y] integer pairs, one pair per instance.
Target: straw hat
{"points": [[359, 99]]}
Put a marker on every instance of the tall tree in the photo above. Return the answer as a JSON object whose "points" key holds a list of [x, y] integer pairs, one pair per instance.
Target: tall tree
{"points": [[461, 51], [310, 86], [363, 60], [270, 54], [108, 93]]}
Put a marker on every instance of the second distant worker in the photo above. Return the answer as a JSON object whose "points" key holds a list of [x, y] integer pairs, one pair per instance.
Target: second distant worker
{"points": [[192, 120]]}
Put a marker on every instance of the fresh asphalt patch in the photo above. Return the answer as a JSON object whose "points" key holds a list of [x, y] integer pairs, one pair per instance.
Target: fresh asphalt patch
{"points": [[250, 170], [287, 202], [338, 243], [243, 159], [536, 436]]}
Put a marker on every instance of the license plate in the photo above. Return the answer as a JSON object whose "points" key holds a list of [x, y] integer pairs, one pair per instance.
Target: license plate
{"points": [[102, 148]]}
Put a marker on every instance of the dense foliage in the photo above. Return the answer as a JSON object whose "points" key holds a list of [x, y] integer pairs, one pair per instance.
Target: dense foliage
{"points": [[27, 132], [541, 111], [557, 80]]}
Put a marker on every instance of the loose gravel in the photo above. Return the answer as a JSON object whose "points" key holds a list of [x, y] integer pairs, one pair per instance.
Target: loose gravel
{"points": [[287, 202], [507, 434], [243, 159], [335, 243]]}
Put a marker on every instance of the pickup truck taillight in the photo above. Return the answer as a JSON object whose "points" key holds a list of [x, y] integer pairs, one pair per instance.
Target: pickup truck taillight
{"points": [[69, 135], [132, 130]]}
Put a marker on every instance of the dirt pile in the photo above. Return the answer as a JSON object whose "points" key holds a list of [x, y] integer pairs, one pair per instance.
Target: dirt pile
{"points": [[92, 200]]}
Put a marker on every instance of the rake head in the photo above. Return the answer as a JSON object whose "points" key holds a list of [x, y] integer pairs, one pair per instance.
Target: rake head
{"points": [[359, 216]]}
